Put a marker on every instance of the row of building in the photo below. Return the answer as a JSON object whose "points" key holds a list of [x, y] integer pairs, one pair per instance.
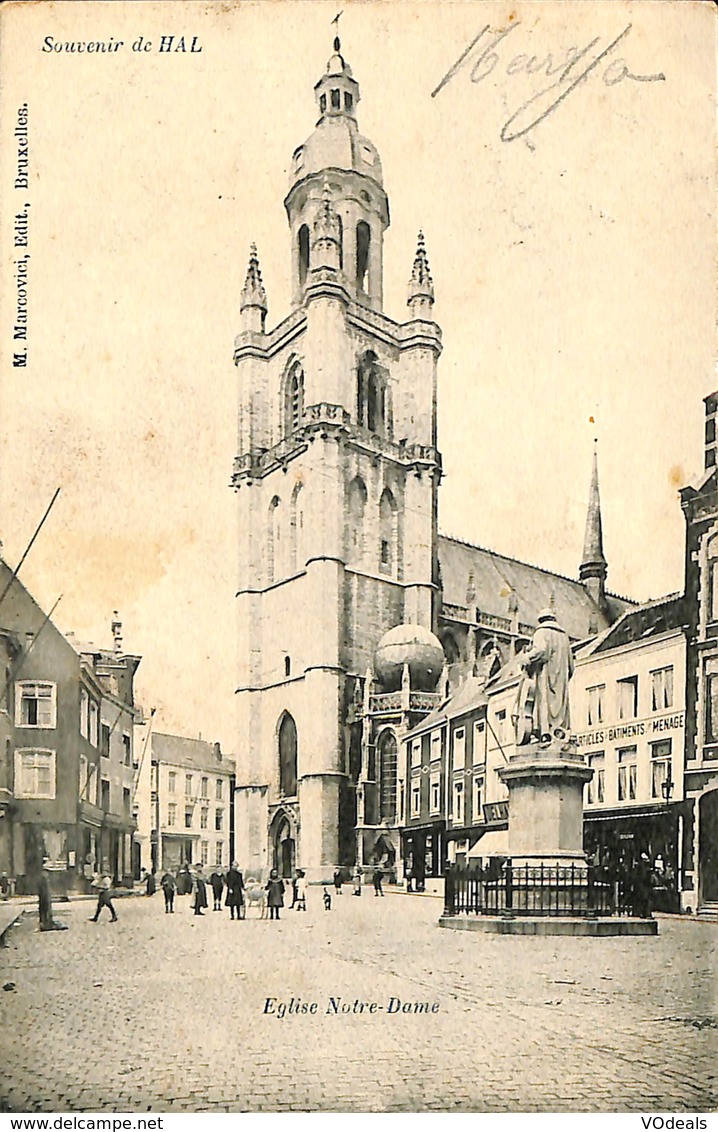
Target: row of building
{"points": [[86, 785]]}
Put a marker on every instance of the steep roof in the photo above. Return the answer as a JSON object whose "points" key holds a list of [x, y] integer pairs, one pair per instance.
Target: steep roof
{"points": [[495, 578], [650, 619], [195, 754]]}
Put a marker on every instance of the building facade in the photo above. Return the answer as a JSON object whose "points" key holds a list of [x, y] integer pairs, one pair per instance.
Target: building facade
{"points": [[184, 803], [56, 697], [700, 509], [337, 478]]}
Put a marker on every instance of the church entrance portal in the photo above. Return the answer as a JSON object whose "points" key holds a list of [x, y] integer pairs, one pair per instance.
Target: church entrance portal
{"points": [[284, 849]]}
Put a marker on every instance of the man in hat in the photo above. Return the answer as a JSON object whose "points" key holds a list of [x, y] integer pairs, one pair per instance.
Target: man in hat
{"points": [[549, 662]]}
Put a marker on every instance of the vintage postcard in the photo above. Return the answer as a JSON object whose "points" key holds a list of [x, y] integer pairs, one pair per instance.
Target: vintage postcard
{"points": [[358, 578]]}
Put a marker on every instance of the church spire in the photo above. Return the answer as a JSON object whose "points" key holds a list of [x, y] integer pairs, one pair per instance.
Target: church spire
{"points": [[421, 285], [253, 306], [594, 567]]}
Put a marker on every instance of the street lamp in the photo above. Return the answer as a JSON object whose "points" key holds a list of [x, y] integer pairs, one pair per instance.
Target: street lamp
{"points": [[667, 789]]}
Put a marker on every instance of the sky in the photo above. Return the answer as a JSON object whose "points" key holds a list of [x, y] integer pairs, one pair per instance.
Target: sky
{"points": [[574, 271]]}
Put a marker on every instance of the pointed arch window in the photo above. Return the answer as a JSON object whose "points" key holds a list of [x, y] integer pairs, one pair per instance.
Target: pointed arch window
{"points": [[363, 246], [287, 741], [296, 530], [274, 536], [372, 403], [356, 509], [388, 764], [388, 517], [293, 399], [303, 242]]}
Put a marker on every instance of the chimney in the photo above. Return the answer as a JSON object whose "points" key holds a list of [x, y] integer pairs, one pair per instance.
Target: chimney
{"points": [[117, 632]]}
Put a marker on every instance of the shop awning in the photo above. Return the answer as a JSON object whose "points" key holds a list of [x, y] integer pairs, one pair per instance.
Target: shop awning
{"points": [[494, 843]]}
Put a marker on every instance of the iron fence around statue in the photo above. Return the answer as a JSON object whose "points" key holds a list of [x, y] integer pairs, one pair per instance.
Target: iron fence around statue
{"points": [[538, 890]]}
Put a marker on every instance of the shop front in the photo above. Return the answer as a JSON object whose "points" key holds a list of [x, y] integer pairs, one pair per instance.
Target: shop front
{"points": [[422, 851], [645, 841]]}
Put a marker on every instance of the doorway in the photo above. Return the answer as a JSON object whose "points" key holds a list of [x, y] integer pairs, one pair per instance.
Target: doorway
{"points": [[708, 847]]}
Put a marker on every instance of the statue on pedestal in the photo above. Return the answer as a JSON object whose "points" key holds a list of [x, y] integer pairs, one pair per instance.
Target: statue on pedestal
{"points": [[542, 713]]}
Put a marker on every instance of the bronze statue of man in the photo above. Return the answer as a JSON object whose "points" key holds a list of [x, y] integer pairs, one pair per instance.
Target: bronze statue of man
{"points": [[543, 709]]}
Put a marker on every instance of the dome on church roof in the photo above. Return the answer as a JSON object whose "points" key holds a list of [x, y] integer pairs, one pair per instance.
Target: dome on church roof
{"points": [[337, 144], [413, 645]]}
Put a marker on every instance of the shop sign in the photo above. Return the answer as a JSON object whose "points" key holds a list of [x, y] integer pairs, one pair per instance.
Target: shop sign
{"points": [[631, 730]]}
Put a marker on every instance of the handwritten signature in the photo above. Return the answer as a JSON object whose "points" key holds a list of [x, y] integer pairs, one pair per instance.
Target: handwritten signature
{"points": [[568, 69]]}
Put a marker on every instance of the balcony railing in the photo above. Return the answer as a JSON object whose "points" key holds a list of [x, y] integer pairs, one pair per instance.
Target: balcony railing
{"points": [[259, 461]]}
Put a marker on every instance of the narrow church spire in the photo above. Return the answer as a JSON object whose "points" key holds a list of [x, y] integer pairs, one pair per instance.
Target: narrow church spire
{"points": [[421, 285], [253, 306], [594, 567]]}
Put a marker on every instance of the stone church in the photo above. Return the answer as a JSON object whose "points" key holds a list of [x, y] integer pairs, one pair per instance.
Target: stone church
{"points": [[355, 615]]}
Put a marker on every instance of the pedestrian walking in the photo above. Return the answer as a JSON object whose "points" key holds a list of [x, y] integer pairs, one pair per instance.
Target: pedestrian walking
{"points": [[377, 879], [104, 899], [301, 891], [200, 894], [151, 884], [234, 900], [184, 881], [169, 888], [217, 883], [338, 878], [294, 892], [275, 894], [357, 881]]}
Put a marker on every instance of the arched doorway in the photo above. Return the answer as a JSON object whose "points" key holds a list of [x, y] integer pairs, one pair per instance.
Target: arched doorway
{"points": [[708, 846], [284, 848]]}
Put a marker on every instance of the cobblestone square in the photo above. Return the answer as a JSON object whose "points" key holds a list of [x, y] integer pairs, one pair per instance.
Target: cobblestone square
{"points": [[169, 1013]]}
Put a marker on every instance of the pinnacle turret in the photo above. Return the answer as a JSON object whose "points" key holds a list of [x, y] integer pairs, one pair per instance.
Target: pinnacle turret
{"points": [[254, 298], [594, 567], [327, 233], [421, 285]]}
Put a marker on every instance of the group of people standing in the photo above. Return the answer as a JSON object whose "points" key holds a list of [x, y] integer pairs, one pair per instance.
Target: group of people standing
{"points": [[190, 879]]}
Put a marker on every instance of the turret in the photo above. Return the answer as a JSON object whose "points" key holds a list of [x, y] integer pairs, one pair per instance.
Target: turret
{"points": [[339, 165]]}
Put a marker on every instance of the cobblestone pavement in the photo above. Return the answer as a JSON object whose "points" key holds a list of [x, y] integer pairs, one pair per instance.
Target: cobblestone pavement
{"points": [[166, 1013]]}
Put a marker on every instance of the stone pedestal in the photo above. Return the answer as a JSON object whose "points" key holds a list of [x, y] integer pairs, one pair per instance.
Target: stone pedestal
{"points": [[545, 785]]}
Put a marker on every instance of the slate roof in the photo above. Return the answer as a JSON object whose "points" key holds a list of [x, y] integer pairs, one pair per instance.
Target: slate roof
{"points": [[647, 620], [495, 577], [195, 754]]}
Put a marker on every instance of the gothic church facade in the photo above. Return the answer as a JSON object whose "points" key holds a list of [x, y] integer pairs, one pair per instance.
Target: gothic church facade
{"points": [[354, 613]]}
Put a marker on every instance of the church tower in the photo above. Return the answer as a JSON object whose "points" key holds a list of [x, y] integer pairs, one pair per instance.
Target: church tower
{"points": [[336, 479]]}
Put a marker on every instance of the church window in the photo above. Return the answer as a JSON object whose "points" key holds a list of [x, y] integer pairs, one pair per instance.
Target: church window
{"points": [[296, 530], [388, 762], [288, 756], [356, 505], [323, 103], [711, 716], [303, 238], [294, 399], [340, 226], [451, 648], [388, 524], [274, 535], [336, 100], [348, 100], [363, 243], [287, 666], [372, 398]]}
